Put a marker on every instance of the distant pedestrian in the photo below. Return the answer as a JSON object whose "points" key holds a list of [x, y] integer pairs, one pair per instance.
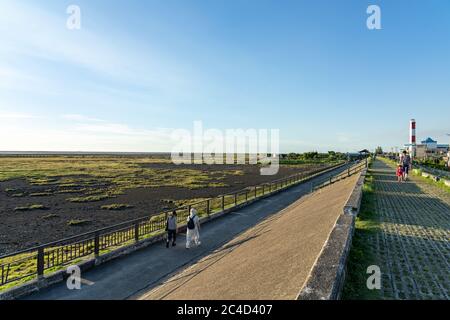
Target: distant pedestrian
{"points": [[448, 160], [193, 229], [400, 157], [406, 163], [171, 228], [399, 173]]}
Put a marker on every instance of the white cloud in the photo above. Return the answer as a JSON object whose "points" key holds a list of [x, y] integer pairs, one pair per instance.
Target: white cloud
{"points": [[86, 124], [12, 78], [31, 34], [80, 118], [30, 31], [113, 138], [109, 128], [37, 54], [17, 116]]}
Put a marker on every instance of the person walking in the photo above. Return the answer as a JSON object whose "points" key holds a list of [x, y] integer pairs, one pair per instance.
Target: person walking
{"points": [[399, 173], [171, 228], [448, 161], [193, 229], [400, 157], [406, 162]]}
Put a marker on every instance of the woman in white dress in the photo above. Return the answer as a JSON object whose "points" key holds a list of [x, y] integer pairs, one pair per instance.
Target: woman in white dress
{"points": [[193, 229]]}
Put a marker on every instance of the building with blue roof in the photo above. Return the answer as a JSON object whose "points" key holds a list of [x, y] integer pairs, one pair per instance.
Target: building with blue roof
{"points": [[429, 148]]}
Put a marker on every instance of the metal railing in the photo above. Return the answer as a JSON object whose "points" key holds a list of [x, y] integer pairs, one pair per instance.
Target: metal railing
{"points": [[358, 167], [27, 264]]}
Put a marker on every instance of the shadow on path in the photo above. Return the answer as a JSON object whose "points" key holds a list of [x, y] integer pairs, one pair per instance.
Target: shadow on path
{"points": [[413, 245]]}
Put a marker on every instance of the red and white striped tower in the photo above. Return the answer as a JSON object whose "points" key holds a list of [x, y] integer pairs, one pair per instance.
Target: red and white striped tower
{"points": [[412, 138]]}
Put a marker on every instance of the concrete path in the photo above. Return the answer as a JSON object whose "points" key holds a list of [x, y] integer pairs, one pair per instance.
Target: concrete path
{"points": [[269, 261], [413, 246], [125, 277]]}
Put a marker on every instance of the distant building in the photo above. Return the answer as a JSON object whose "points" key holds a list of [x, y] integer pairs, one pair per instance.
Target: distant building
{"points": [[429, 149]]}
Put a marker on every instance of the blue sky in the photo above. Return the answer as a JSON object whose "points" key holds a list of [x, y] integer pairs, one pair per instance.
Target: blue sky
{"points": [[138, 69]]}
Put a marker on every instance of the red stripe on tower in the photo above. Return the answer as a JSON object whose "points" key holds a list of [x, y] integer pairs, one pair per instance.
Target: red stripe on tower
{"points": [[412, 136]]}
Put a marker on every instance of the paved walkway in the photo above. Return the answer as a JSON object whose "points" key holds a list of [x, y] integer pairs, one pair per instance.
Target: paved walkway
{"points": [[138, 272], [413, 247], [269, 261]]}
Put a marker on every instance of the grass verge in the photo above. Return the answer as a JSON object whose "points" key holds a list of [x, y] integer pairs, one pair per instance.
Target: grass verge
{"points": [[78, 222], [440, 184], [116, 206], [31, 207], [361, 253]]}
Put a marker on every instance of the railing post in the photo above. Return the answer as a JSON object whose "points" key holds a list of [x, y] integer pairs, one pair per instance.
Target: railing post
{"points": [[246, 196], [223, 203], [136, 231], [97, 244], [40, 262], [263, 189], [189, 210], [235, 199], [256, 192], [208, 208]]}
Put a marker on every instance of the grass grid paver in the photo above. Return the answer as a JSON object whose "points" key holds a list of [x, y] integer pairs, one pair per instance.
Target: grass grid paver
{"points": [[412, 244]]}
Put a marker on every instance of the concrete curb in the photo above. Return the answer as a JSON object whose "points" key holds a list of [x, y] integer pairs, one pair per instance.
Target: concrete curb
{"points": [[326, 280], [61, 275], [426, 173]]}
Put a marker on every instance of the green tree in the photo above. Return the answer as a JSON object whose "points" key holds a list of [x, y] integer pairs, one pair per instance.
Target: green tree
{"points": [[310, 155], [379, 150]]}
